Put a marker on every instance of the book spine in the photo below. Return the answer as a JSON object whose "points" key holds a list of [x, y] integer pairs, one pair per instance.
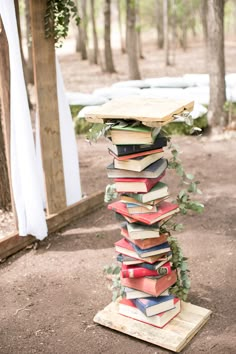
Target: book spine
{"points": [[142, 272]]}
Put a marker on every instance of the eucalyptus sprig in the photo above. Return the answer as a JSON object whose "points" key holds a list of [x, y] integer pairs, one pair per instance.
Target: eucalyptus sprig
{"points": [[179, 263], [57, 18], [183, 198], [97, 131], [114, 272]]}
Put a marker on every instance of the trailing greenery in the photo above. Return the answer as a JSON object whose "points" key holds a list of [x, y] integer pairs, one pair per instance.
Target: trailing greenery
{"points": [[114, 272], [57, 18]]}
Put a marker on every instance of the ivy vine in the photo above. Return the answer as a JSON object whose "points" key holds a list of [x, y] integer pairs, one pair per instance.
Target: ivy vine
{"points": [[57, 18]]}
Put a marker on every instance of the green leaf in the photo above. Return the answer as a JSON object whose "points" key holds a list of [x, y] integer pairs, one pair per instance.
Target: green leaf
{"points": [[189, 176]]}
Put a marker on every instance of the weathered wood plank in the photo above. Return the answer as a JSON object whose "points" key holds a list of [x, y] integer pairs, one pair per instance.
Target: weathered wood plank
{"points": [[146, 110], [13, 242], [174, 336], [47, 103]]}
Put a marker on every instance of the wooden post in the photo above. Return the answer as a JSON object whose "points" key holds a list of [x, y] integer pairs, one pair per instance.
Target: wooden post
{"points": [[47, 103]]}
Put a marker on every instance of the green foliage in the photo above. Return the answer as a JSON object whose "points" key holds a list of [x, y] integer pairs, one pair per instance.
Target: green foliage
{"points": [[183, 198], [179, 262], [184, 129], [75, 110], [57, 18], [81, 126], [114, 272]]}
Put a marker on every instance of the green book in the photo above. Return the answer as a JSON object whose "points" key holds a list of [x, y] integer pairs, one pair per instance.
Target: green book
{"points": [[160, 190], [123, 134]]}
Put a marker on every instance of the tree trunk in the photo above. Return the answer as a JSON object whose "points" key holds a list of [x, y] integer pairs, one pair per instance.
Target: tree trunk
{"points": [[204, 10], [29, 65], [216, 114], [122, 46], [138, 29], [95, 53], [109, 66], [134, 73], [166, 31], [173, 30], [5, 193], [160, 34], [82, 37]]}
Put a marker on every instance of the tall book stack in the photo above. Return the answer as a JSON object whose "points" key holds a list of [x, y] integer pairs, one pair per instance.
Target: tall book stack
{"points": [[142, 207], [138, 170]]}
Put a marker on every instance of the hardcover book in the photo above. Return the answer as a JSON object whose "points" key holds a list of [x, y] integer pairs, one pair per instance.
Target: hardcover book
{"points": [[145, 243], [127, 259], [125, 198], [138, 209], [140, 232], [159, 190], [152, 171], [138, 163], [153, 286], [128, 309], [155, 305], [137, 271], [136, 185], [165, 210], [151, 251], [123, 150], [124, 247], [133, 134], [131, 156]]}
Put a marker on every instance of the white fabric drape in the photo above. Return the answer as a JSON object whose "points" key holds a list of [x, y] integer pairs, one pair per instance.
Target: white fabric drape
{"points": [[68, 143], [24, 170]]}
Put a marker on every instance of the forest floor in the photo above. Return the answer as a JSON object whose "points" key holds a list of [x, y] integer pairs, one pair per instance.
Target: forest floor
{"points": [[50, 295]]}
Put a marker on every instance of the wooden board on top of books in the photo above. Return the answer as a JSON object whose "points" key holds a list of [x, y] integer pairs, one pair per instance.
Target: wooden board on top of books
{"points": [[174, 336], [150, 111]]}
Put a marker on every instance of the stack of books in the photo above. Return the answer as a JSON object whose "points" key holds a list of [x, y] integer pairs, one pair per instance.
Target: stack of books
{"points": [[138, 169]]}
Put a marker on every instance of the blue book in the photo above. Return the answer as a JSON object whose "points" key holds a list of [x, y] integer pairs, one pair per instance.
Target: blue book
{"points": [[151, 251], [154, 305]]}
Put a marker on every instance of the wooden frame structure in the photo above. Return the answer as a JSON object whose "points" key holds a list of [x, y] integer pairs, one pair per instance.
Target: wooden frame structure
{"points": [[58, 214]]}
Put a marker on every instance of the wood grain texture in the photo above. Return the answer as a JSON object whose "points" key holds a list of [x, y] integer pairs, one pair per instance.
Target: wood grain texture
{"points": [[47, 104], [147, 110], [13, 243], [174, 336]]}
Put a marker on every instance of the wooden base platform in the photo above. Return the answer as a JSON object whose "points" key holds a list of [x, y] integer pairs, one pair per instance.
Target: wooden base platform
{"points": [[174, 336]]}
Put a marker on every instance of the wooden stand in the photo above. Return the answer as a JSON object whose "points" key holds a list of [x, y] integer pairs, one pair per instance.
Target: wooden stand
{"points": [[174, 336]]}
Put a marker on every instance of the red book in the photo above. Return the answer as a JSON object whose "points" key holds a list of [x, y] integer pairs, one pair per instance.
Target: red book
{"points": [[165, 210], [128, 309], [135, 271], [152, 286], [145, 243], [137, 154], [136, 185], [124, 247]]}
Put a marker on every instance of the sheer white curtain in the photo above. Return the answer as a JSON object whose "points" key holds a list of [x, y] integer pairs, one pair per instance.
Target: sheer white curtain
{"points": [[26, 168]]}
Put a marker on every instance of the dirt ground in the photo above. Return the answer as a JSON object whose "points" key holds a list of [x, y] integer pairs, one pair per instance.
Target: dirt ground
{"points": [[50, 295]]}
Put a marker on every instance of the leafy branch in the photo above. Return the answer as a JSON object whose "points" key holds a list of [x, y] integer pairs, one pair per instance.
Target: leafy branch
{"points": [[183, 198], [113, 271], [179, 262], [57, 18]]}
